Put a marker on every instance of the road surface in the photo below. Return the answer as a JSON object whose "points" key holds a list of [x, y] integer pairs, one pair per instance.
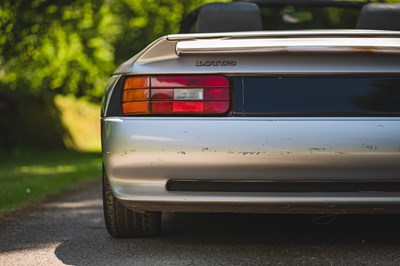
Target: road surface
{"points": [[71, 231]]}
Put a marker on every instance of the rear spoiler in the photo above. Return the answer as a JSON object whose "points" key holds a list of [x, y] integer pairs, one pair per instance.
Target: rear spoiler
{"points": [[368, 45], [293, 41], [284, 34], [163, 54]]}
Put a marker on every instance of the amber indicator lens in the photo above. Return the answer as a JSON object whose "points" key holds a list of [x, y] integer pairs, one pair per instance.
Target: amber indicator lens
{"points": [[135, 95], [137, 83], [135, 108]]}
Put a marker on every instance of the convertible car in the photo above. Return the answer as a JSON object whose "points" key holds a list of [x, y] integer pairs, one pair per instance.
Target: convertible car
{"points": [[233, 116]]}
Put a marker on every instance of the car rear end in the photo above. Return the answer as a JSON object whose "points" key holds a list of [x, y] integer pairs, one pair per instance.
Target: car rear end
{"points": [[283, 122]]}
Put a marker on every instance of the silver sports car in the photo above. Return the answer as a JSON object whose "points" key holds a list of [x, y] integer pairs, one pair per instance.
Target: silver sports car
{"points": [[233, 118]]}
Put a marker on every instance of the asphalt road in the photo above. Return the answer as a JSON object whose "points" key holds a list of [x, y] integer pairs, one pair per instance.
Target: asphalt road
{"points": [[71, 231]]}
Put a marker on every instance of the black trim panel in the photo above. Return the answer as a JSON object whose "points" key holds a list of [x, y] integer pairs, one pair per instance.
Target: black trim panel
{"points": [[114, 106], [327, 96], [282, 186]]}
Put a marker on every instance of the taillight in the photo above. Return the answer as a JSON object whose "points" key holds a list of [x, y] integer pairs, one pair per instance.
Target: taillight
{"points": [[165, 95]]}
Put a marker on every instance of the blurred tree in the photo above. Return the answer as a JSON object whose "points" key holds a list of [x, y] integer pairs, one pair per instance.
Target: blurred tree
{"points": [[73, 46]]}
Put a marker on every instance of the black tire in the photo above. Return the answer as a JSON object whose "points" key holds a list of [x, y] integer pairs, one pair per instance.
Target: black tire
{"points": [[122, 222]]}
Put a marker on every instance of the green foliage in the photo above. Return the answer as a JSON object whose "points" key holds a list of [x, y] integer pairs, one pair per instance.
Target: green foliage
{"points": [[73, 46], [53, 46]]}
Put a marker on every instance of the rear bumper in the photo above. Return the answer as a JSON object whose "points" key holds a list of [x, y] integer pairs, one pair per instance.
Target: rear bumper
{"points": [[142, 154]]}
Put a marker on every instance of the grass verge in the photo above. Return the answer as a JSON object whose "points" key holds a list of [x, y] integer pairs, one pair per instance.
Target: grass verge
{"points": [[29, 178]]}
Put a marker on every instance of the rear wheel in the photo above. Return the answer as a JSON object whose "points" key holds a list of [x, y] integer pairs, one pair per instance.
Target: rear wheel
{"points": [[124, 222]]}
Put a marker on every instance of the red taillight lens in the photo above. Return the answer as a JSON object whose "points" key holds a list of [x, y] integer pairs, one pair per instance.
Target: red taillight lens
{"points": [[175, 95]]}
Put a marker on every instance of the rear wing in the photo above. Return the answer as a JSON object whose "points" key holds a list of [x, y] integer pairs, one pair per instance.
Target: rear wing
{"points": [[302, 41], [254, 52]]}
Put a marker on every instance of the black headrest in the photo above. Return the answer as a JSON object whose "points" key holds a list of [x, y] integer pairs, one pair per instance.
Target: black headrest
{"points": [[379, 17], [225, 17]]}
